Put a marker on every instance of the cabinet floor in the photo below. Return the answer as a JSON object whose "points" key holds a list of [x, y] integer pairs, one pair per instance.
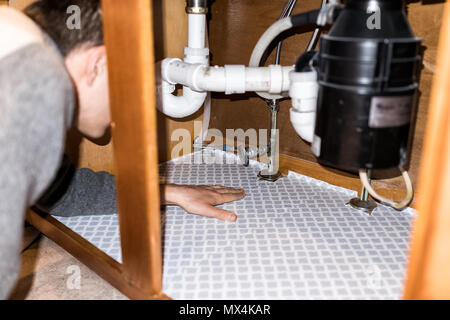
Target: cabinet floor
{"points": [[49, 272], [294, 239]]}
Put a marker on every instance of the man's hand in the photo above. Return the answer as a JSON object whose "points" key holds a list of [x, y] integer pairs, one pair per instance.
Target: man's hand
{"points": [[202, 200]]}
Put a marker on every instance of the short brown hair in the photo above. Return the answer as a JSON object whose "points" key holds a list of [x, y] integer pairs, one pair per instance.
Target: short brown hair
{"points": [[51, 16]]}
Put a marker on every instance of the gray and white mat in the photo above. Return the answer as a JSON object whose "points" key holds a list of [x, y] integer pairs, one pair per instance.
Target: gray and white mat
{"points": [[294, 239]]}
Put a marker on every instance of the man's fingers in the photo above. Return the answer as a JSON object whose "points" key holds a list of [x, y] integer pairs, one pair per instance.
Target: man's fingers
{"points": [[229, 190], [229, 197], [224, 187], [213, 212]]}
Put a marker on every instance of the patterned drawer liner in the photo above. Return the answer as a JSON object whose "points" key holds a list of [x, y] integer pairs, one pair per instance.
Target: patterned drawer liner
{"points": [[294, 239]]}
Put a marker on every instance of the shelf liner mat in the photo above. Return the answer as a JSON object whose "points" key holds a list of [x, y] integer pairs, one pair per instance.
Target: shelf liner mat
{"points": [[293, 239]]}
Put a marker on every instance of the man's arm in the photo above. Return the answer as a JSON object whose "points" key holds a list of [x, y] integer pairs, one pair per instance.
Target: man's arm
{"points": [[79, 192], [36, 101], [85, 192]]}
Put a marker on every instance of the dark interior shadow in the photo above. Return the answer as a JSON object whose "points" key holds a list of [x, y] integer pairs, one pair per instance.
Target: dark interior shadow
{"points": [[104, 140], [74, 139], [163, 139], [159, 49]]}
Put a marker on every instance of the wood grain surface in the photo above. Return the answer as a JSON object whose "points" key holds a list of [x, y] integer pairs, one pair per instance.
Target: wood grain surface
{"points": [[128, 33], [429, 276]]}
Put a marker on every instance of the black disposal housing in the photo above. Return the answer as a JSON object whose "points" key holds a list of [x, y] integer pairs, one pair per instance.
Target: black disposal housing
{"points": [[367, 87]]}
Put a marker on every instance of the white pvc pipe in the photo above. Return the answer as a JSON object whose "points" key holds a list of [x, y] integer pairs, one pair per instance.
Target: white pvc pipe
{"points": [[206, 106], [206, 118], [196, 52], [181, 106], [228, 79], [197, 77], [197, 31], [304, 124], [263, 43], [303, 92]]}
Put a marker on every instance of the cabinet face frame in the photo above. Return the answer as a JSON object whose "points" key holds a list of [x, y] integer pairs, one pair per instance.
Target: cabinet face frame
{"points": [[428, 273], [128, 30]]}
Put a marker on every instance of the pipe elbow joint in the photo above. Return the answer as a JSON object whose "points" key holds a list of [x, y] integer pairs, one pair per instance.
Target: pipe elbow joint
{"points": [[181, 106], [303, 123], [171, 105], [303, 92]]}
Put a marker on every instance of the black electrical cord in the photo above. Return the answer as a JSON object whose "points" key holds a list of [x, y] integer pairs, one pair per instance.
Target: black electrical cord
{"points": [[303, 61], [305, 18], [309, 17], [316, 34]]}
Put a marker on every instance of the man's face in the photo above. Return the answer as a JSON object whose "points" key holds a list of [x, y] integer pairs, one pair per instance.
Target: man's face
{"points": [[89, 72]]}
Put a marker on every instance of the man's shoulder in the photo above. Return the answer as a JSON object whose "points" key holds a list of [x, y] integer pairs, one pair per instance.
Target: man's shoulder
{"points": [[17, 31], [32, 71], [35, 81]]}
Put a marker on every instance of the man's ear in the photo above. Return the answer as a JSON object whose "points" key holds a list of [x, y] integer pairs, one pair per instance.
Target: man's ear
{"points": [[95, 64]]}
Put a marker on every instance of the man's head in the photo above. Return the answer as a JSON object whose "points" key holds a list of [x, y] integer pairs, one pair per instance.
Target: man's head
{"points": [[76, 28]]}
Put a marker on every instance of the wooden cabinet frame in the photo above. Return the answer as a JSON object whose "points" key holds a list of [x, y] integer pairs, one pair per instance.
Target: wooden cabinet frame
{"points": [[129, 42], [429, 267]]}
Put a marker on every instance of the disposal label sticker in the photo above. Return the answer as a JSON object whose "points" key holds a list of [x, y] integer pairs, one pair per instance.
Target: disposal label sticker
{"points": [[388, 112]]}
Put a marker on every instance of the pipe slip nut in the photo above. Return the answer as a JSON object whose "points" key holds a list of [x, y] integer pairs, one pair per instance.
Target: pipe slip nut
{"points": [[202, 53], [303, 85], [234, 79], [276, 78], [197, 6]]}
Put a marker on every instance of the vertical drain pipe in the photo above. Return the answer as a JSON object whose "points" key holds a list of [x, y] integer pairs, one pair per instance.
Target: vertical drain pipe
{"points": [[196, 51], [198, 30], [197, 10], [272, 173], [197, 40]]}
